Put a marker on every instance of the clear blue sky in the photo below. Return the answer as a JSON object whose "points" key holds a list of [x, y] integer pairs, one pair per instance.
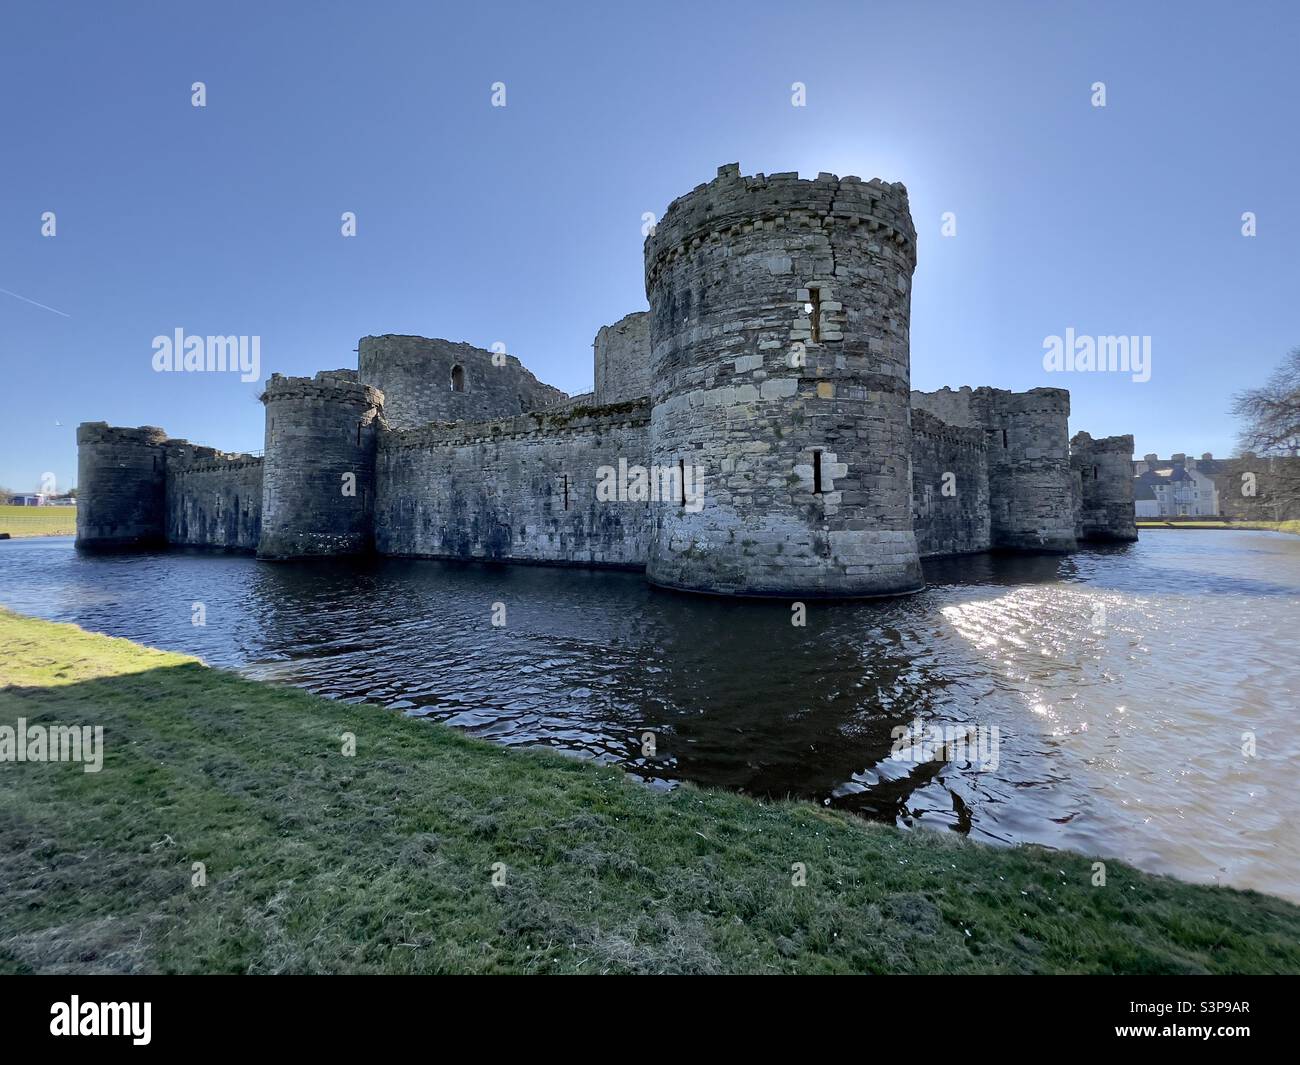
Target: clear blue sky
{"points": [[523, 224]]}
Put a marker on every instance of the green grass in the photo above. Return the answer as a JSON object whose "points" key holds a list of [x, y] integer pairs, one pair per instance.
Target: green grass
{"points": [[1269, 526], [38, 521], [382, 862]]}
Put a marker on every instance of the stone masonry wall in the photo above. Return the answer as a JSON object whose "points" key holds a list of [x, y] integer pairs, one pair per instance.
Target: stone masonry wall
{"points": [[522, 489], [214, 499], [121, 486], [1105, 471], [1031, 490], [950, 515], [622, 357], [415, 374], [318, 472], [796, 417]]}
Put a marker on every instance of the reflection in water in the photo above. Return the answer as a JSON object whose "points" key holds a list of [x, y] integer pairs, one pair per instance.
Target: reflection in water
{"points": [[1120, 680]]}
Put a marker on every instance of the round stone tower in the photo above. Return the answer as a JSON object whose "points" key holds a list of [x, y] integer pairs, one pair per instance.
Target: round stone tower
{"points": [[318, 479], [121, 486], [780, 369]]}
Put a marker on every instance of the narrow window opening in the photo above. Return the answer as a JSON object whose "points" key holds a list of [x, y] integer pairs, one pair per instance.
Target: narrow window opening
{"points": [[817, 472], [681, 478], [1094, 473], [358, 434], [458, 378], [566, 491], [813, 308], [1004, 438], [155, 464]]}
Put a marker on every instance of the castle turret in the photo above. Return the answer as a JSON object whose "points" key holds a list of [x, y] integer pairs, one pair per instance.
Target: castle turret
{"points": [[779, 347], [121, 486], [318, 475], [1105, 478]]}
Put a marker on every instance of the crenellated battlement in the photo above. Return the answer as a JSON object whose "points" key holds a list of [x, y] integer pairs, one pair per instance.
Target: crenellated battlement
{"points": [[539, 424], [332, 386], [733, 205], [103, 433], [929, 426]]}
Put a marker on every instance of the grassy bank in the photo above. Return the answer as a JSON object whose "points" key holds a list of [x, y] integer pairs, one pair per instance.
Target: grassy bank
{"points": [[38, 521], [1210, 523], [383, 862]]}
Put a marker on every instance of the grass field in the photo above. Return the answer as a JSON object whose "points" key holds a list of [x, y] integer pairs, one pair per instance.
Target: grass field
{"points": [[1210, 523], [38, 521], [314, 861]]}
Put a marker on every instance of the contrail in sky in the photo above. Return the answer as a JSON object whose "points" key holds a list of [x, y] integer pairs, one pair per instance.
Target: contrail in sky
{"points": [[32, 302]]}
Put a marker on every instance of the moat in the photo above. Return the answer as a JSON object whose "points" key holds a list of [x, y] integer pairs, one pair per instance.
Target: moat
{"points": [[1120, 679]]}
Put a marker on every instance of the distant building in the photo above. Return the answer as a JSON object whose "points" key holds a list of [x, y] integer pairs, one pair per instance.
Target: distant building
{"points": [[1176, 487], [31, 499]]}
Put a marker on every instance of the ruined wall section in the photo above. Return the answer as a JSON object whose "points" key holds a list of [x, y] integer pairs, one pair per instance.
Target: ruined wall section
{"points": [[621, 354], [950, 487], [213, 498], [318, 489], [522, 489], [121, 486], [1031, 489], [419, 378], [1105, 478], [779, 332]]}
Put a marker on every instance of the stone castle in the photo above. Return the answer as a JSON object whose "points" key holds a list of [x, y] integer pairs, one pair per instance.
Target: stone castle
{"points": [[773, 364]]}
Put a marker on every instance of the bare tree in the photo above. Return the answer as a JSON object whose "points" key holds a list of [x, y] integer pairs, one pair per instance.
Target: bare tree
{"points": [[1271, 414]]}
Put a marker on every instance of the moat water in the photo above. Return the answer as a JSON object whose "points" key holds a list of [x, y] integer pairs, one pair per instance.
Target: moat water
{"points": [[1120, 680]]}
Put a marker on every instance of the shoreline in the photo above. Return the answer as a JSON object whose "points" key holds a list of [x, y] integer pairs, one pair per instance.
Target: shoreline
{"points": [[1291, 528], [312, 860]]}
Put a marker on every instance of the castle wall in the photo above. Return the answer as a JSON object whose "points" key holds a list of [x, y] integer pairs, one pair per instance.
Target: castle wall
{"points": [[950, 487], [522, 489], [318, 488], [213, 499], [1031, 489], [121, 486], [1105, 478], [622, 357], [797, 418], [417, 374]]}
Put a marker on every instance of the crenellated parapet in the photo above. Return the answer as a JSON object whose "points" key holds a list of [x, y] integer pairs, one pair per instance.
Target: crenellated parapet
{"points": [[734, 205], [1104, 472], [539, 424]]}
